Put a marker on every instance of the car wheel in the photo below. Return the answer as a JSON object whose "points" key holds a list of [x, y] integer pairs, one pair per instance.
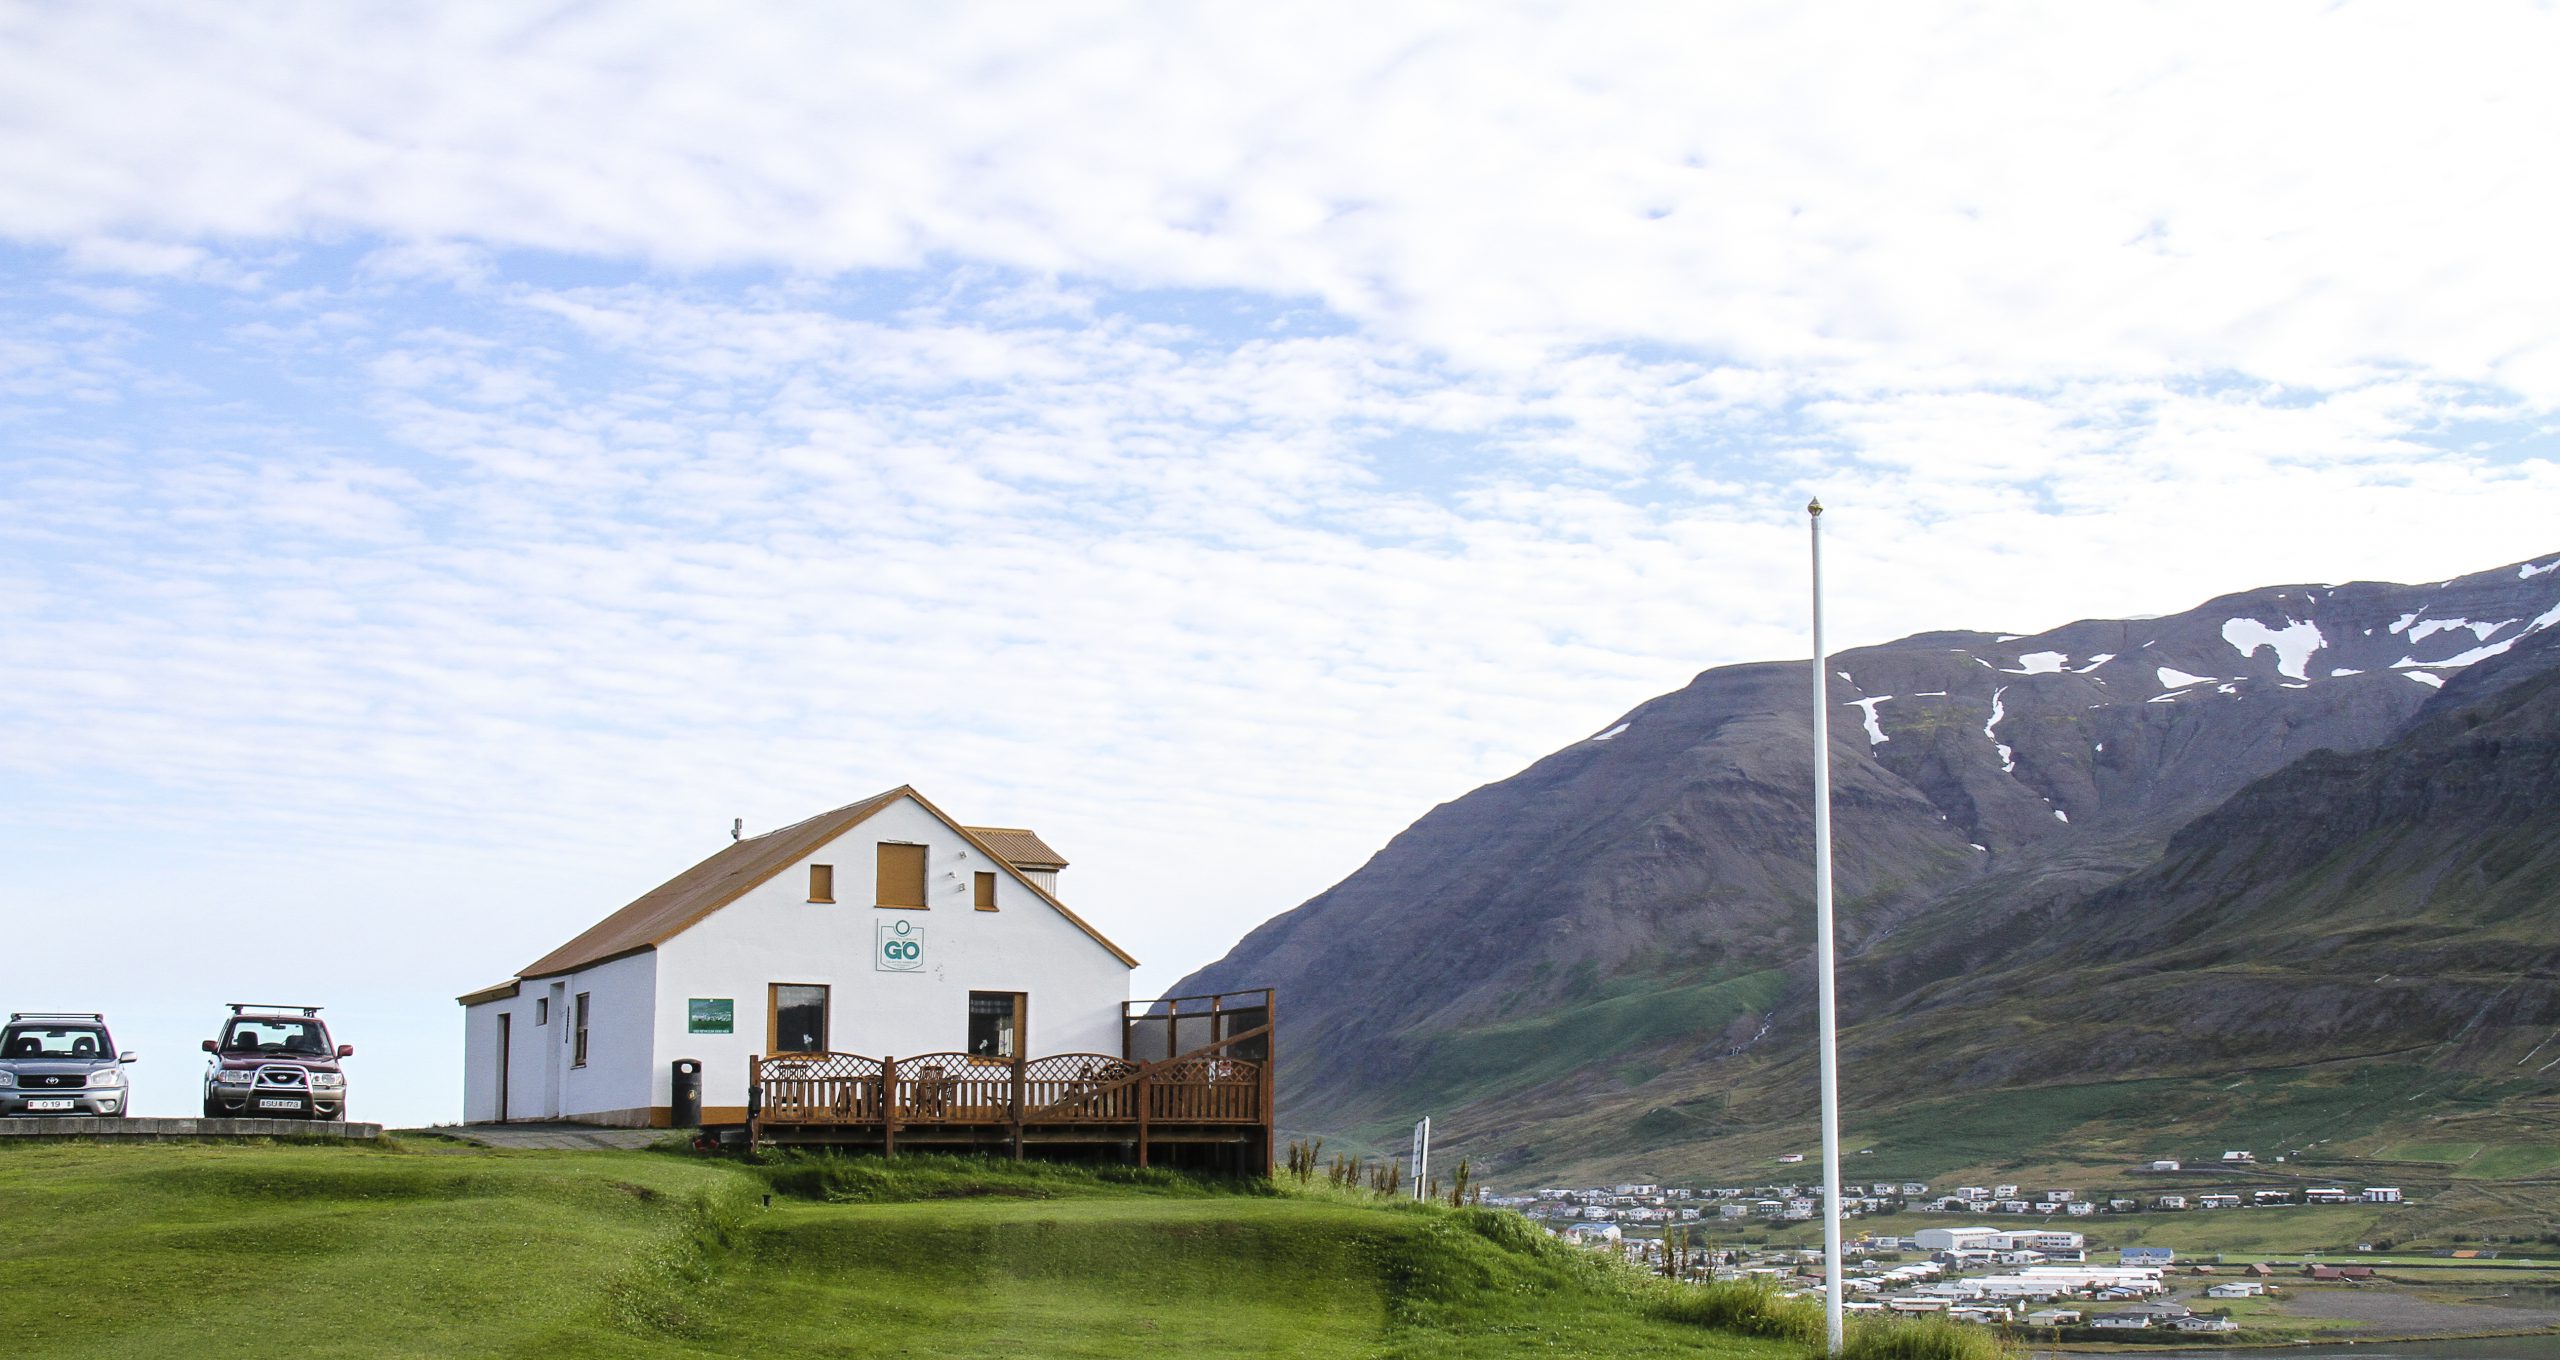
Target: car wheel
{"points": [[212, 1108]]}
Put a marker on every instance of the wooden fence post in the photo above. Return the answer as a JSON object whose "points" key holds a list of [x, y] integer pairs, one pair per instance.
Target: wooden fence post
{"points": [[1146, 1071], [1014, 1112], [889, 1107]]}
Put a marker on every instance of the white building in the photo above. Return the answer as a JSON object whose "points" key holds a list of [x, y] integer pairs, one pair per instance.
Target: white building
{"points": [[2382, 1194], [772, 946], [1961, 1239]]}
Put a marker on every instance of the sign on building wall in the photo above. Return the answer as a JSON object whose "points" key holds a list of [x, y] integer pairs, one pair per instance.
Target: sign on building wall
{"points": [[710, 1015], [901, 947]]}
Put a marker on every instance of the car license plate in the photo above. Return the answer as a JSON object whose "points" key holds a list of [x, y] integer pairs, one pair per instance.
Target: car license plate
{"points": [[279, 1104], [48, 1104]]}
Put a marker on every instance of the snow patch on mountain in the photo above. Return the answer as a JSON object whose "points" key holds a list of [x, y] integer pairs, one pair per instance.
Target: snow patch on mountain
{"points": [[2528, 571], [1611, 732], [1991, 729], [1867, 709], [2293, 644], [2431, 681], [2431, 627], [2040, 663], [2095, 662], [2173, 678]]}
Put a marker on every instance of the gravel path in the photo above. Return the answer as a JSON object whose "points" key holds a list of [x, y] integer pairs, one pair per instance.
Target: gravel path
{"points": [[552, 1136]]}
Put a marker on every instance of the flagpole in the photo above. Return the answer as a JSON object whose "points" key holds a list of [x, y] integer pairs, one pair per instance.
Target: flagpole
{"points": [[1831, 1291]]}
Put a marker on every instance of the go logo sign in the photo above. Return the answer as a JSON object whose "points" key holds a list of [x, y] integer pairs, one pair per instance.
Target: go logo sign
{"points": [[901, 948]]}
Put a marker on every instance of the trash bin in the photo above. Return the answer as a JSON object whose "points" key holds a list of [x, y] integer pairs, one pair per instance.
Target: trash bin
{"points": [[687, 1094]]}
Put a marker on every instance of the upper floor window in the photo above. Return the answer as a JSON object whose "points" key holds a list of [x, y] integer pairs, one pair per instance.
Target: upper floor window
{"points": [[578, 1017], [986, 891], [901, 875], [822, 883]]}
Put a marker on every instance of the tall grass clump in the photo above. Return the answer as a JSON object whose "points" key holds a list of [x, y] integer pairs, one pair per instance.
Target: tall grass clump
{"points": [[1922, 1338], [1747, 1307]]}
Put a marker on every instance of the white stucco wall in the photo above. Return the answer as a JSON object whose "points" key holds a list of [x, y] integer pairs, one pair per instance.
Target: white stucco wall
{"points": [[543, 1080], [775, 934]]}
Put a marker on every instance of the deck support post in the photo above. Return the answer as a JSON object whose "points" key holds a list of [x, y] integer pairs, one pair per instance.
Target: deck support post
{"points": [[1014, 1108], [1145, 1071], [888, 1107]]}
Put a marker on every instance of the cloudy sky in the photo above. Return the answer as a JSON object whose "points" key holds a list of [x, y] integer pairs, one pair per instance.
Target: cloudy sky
{"points": [[453, 462]]}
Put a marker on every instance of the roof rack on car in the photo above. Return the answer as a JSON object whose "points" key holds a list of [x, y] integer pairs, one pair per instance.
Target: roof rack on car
{"points": [[239, 1006], [16, 1016]]}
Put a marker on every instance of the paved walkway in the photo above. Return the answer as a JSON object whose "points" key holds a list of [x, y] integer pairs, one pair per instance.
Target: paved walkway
{"points": [[586, 1137]]}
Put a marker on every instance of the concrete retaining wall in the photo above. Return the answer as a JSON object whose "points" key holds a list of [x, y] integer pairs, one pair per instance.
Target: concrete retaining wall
{"points": [[146, 1129]]}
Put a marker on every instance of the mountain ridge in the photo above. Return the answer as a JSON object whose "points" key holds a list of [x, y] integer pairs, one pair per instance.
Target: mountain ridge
{"points": [[1987, 788]]}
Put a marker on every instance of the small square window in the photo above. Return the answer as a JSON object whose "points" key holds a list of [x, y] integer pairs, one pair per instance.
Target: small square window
{"points": [[822, 883], [986, 889]]}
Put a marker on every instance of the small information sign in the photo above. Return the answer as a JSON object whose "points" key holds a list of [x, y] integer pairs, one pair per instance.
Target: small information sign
{"points": [[710, 1015], [901, 947]]}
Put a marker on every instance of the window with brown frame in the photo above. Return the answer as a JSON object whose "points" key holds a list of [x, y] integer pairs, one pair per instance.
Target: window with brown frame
{"points": [[901, 875], [578, 1017], [986, 891], [822, 883], [795, 1018], [996, 1022]]}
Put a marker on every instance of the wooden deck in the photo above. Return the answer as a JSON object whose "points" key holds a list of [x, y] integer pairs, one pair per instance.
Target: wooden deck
{"points": [[1193, 1081]]}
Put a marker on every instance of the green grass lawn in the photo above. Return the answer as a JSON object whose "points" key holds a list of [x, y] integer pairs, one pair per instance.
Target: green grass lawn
{"points": [[425, 1249]]}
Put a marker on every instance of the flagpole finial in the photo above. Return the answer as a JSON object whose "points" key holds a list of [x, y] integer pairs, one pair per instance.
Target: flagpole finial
{"points": [[1814, 508]]}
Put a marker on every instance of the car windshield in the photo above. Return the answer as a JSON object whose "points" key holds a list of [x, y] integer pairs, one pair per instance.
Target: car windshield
{"points": [[55, 1041], [276, 1035]]}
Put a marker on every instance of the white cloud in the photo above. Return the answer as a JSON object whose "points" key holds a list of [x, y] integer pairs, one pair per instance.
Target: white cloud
{"points": [[476, 453]]}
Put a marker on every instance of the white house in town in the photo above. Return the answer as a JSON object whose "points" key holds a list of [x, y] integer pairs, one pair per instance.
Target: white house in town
{"points": [[772, 945]]}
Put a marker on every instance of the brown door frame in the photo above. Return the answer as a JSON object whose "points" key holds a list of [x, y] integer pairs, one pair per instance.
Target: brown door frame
{"points": [[506, 1058]]}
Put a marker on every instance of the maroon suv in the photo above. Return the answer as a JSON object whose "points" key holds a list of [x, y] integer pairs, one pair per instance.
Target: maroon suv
{"points": [[275, 1062]]}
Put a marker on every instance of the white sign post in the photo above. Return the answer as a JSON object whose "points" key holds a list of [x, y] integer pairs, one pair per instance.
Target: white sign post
{"points": [[1826, 1005], [1421, 1154]]}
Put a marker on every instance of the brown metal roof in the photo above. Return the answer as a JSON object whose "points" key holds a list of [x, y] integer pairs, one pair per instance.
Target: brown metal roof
{"points": [[500, 992], [1018, 847], [665, 911]]}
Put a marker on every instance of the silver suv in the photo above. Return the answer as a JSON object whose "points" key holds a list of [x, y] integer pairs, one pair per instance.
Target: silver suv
{"points": [[61, 1062]]}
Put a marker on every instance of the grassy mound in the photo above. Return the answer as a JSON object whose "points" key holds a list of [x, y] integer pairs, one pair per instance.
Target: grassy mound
{"points": [[428, 1250]]}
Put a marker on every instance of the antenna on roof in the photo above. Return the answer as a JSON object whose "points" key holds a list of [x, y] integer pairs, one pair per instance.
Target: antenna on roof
{"points": [[737, 827]]}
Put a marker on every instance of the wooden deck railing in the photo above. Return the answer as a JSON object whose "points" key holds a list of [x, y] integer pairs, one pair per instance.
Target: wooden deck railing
{"points": [[1208, 1086]]}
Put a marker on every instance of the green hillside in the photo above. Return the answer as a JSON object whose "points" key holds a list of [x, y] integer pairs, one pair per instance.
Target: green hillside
{"points": [[430, 1249]]}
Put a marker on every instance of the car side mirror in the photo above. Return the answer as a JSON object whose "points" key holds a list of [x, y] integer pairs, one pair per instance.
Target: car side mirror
{"points": [[128, 1057], [211, 1047], [346, 1050]]}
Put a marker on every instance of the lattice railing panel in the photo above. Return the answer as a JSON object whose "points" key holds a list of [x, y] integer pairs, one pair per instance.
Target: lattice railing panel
{"points": [[820, 1088], [1081, 1087], [1205, 1091]]}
